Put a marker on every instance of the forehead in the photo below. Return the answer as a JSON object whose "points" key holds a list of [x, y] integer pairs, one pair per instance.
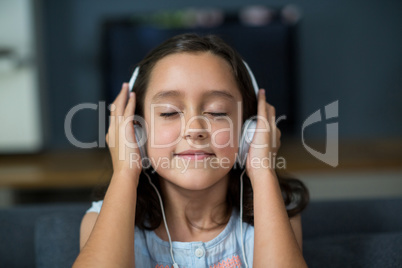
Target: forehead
{"points": [[197, 74]]}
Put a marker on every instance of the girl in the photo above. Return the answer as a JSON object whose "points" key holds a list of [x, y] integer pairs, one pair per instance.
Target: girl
{"points": [[194, 94]]}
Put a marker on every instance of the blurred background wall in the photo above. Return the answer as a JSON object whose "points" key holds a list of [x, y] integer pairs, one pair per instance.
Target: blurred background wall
{"points": [[348, 51], [20, 116]]}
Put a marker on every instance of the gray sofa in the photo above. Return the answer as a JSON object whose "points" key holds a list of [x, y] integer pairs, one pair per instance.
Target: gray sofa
{"points": [[354, 233]]}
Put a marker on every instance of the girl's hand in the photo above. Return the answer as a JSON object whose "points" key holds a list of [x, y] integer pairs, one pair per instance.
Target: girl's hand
{"points": [[121, 135], [266, 141]]}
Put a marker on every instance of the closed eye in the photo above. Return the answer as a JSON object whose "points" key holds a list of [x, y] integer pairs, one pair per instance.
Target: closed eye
{"points": [[218, 114], [168, 114], [174, 113]]}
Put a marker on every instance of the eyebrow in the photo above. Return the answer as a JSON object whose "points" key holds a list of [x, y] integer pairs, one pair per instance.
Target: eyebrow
{"points": [[175, 93]]}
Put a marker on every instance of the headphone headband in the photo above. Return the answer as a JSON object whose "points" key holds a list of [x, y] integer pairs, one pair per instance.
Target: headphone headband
{"points": [[133, 78], [253, 81]]}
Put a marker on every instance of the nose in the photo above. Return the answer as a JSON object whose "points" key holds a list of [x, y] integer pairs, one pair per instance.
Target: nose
{"points": [[195, 128]]}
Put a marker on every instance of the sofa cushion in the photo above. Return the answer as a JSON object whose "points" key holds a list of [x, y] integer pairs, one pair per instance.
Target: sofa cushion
{"points": [[354, 250], [341, 217], [57, 240], [16, 236], [17, 226]]}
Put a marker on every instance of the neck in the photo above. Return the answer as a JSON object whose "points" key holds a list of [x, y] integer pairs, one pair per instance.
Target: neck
{"points": [[194, 215]]}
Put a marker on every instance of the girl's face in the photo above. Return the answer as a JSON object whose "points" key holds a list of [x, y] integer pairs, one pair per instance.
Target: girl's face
{"points": [[193, 103]]}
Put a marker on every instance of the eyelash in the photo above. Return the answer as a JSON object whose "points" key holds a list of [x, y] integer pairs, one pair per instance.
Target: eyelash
{"points": [[174, 113], [168, 114]]}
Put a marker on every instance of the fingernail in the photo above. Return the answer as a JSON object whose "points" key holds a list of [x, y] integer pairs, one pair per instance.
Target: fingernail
{"points": [[262, 91], [131, 94]]}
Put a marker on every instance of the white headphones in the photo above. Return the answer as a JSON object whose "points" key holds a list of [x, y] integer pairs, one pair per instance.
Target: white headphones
{"points": [[247, 134]]}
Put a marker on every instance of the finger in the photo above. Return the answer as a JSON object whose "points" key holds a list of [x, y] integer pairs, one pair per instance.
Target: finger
{"points": [[276, 133], [262, 126], [121, 100], [130, 108], [262, 122], [277, 138], [271, 110], [110, 140], [111, 134], [271, 115], [261, 109]]}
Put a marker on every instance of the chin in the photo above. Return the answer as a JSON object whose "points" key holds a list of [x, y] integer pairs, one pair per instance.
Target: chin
{"points": [[194, 179]]}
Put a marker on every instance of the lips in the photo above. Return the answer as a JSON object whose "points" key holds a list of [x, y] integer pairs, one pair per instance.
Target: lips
{"points": [[194, 154]]}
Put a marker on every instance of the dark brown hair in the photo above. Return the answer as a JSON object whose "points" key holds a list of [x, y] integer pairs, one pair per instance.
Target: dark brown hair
{"points": [[148, 211]]}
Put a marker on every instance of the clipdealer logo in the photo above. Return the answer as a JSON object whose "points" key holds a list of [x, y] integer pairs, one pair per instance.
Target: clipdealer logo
{"points": [[331, 155]]}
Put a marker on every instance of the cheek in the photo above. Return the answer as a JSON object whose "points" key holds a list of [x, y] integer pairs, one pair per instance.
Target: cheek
{"points": [[226, 139], [223, 138], [164, 134]]}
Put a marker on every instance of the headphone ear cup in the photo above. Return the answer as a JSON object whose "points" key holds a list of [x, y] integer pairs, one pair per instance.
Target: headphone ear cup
{"points": [[246, 138], [141, 138]]}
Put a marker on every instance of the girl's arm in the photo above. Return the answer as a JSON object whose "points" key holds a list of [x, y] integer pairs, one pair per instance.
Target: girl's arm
{"points": [[295, 222], [277, 240], [87, 225], [111, 241]]}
